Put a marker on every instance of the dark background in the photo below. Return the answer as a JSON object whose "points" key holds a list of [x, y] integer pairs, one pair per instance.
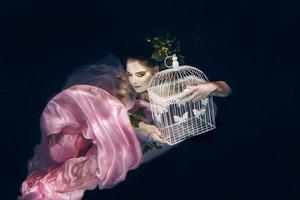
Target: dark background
{"points": [[252, 45]]}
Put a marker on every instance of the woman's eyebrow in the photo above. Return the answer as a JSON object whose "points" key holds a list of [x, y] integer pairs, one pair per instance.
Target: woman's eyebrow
{"points": [[141, 72]]}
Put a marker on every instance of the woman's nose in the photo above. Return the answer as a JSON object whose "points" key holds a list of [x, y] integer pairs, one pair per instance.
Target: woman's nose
{"points": [[133, 80]]}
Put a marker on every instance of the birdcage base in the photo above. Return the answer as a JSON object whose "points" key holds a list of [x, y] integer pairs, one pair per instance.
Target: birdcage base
{"points": [[179, 132]]}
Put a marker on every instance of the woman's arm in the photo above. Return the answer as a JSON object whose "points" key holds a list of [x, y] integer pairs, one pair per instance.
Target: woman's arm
{"points": [[202, 90], [222, 89], [152, 145]]}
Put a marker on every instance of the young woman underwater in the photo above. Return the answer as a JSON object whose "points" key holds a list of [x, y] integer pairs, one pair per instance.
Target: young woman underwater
{"points": [[141, 66], [87, 138]]}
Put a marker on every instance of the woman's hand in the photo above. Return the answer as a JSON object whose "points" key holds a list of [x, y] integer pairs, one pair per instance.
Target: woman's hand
{"points": [[200, 91], [152, 131], [203, 90]]}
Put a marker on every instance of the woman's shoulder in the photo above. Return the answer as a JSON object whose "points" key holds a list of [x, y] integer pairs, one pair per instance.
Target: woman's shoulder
{"points": [[140, 103]]}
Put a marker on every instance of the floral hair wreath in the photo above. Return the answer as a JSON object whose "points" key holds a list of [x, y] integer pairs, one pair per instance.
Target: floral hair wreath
{"points": [[163, 47]]}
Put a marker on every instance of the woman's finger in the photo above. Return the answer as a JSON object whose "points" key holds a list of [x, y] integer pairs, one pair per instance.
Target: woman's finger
{"points": [[198, 98], [156, 132], [193, 96], [157, 136], [187, 92], [201, 96]]}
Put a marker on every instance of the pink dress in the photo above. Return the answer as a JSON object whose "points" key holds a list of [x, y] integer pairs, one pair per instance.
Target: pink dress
{"points": [[87, 141]]}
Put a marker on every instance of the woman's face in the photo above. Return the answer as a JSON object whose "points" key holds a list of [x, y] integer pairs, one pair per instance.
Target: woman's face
{"points": [[139, 74]]}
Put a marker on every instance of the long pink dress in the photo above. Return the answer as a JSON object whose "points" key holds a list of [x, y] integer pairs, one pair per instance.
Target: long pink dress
{"points": [[87, 141]]}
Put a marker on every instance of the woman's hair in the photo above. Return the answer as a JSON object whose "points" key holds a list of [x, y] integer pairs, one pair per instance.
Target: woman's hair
{"points": [[154, 51], [142, 52]]}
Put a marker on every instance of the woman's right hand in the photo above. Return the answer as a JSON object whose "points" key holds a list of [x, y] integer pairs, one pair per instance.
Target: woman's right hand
{"points": [[203, 90]]}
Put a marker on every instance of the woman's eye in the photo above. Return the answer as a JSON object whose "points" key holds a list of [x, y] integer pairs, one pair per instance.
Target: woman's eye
{"points": [[129, 74], [140, 74]]}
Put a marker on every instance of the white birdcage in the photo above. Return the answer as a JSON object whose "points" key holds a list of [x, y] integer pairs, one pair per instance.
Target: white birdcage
{"points": [[176, 117]]}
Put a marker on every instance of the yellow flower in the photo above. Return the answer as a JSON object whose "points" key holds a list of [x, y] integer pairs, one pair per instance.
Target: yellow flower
{"points": [[165, 50]]}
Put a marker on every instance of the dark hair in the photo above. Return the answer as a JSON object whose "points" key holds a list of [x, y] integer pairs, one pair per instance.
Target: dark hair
{"points": [[141, 52]]}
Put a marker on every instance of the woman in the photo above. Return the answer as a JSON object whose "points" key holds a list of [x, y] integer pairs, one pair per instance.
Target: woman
{"points": [[141, 67], [87, 138]]}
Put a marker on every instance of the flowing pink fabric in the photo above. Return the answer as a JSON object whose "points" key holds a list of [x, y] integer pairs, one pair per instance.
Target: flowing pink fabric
{"points": [[87, 141]]}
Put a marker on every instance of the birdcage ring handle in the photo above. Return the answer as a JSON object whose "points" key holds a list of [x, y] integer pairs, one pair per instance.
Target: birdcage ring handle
{"points": [[175, 63], [168, 66]]}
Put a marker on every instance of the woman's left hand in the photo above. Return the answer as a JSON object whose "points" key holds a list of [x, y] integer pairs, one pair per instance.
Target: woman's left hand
{"points": [[200, 91], [153, 131]]}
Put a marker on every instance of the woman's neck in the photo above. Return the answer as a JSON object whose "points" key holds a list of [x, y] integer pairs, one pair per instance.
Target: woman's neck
{"points": [[144, 96]]}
